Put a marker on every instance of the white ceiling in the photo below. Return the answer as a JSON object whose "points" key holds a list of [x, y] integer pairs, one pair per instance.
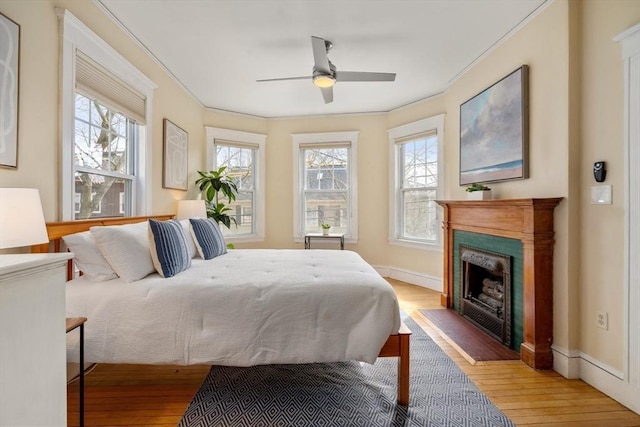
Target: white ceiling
{"points": [[218, 49]]}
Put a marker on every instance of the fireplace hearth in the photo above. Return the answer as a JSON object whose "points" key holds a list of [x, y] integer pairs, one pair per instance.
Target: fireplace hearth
{"points": [[486, 286]]}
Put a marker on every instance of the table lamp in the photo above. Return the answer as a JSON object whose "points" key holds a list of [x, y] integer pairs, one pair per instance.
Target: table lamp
{"points": [[21, 218], [191, 209]]}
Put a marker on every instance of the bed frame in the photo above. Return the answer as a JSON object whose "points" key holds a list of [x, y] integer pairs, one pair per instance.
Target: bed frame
{"points": [[397, 345]]}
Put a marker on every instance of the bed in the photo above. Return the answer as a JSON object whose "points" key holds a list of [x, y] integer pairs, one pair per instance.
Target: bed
{"points": [[247, 307]]}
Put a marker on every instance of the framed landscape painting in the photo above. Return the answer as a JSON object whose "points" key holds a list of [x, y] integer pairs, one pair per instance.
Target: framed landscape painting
{"points": [[494, 131]]}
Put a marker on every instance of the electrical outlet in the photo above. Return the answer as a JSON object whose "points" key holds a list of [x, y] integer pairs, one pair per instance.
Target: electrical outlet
{"points": [[602, 320]]}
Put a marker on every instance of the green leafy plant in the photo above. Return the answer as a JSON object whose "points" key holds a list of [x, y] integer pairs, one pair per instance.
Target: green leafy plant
{"points": [[476, 187], [214, 184], [325, 226]]}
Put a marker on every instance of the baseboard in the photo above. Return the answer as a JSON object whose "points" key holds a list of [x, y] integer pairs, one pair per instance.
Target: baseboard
{"points": [[419, 279], [566, 362], [574, 364]]}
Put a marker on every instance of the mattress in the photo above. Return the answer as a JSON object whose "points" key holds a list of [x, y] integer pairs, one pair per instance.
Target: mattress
{"points": [[247, 307]]}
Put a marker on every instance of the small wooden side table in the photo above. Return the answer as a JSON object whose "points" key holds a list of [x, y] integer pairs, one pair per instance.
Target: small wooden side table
{"points": [[73, 323], [309, 236]]}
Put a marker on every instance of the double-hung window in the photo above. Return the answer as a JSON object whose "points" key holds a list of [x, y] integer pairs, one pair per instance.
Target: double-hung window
{"points": [[103, 159], [416, 177], [242, 153], [106, 102], [325, 182]]}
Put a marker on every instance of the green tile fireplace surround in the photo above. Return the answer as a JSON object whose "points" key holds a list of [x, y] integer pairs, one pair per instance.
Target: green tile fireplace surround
{"points": [[501, 245], [523, 230]]}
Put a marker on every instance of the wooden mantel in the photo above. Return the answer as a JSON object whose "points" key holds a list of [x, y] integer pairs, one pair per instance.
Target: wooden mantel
{"points": [[531, 222]]}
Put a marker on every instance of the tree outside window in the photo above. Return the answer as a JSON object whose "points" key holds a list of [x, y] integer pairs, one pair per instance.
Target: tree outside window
{"points": [[102, 159]]}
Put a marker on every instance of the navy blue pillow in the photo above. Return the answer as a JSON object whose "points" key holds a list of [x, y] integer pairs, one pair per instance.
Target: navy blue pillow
{"points": [[169, 249], [208, 237]]}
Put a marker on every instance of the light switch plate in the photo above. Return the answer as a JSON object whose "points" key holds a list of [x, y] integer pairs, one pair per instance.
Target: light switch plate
{"points": [[601, 195]]}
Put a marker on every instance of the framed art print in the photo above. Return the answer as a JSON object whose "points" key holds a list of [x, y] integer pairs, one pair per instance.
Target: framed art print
{"points": [[494, 131], [9, 79], [174, 167]]}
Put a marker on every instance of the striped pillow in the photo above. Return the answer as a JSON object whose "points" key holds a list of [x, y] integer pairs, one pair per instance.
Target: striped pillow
{"points": [[169, 249], [208, 237]]}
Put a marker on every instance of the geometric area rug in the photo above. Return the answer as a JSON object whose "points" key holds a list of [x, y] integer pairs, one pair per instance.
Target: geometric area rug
{"points": [[344, 394]]}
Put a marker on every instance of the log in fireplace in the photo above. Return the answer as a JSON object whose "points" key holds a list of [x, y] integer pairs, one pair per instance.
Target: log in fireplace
{"points": [[486, 286]]}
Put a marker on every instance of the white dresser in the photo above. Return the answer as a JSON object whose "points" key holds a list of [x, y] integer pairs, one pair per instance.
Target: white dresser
{"points": [[33, 340]]}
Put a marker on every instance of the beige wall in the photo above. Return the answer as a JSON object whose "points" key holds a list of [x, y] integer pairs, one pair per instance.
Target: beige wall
{"points": [[602, 240], [575, 119], [39, 130]]}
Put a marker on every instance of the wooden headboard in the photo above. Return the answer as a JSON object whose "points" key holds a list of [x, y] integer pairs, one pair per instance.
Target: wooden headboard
{"points": [[56, 230]]}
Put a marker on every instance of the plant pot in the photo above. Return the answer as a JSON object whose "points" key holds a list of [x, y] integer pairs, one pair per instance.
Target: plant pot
{"points": [[325, 231], [479, 195]]}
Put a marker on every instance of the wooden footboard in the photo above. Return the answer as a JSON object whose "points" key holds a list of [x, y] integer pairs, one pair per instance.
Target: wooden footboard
{"points": [[397, 345]]}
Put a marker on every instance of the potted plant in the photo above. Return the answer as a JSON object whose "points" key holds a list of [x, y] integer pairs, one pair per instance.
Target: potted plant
{"points": [[325, 228], [478, 192], [213, 183]]}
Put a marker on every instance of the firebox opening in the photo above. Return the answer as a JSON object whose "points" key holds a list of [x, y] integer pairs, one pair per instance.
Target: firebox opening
{"points": [[485, 297]]}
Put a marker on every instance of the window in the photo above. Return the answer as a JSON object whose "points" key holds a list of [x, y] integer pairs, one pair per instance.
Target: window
{"points": [[325, 182], [416, 175], [106, 152], [103, 150], [243, 155]]}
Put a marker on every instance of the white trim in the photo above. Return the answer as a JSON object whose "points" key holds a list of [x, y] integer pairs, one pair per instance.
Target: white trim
{"points": [[259, 211], [414, 128], [299, 140], [411, 277], [630, 42], [75, 35]]}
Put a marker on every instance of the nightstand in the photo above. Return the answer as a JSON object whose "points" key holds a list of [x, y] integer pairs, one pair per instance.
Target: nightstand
{"points": [[73, 323]]}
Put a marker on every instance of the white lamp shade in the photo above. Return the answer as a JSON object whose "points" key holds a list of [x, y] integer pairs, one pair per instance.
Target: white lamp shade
{"points": [[21, 218], [191, 209]]}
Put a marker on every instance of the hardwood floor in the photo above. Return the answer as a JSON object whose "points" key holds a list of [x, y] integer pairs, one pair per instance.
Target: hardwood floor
{"points": [[143, 395]]}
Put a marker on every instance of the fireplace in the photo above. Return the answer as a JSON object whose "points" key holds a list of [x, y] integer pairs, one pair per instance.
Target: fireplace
{"points": [[485, 297], [530, 223]]}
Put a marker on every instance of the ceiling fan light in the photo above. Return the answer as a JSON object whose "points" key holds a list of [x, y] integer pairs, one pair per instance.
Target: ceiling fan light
{"points": [[324, 81]]}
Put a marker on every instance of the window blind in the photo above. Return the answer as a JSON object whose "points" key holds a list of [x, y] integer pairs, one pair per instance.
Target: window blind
{"points": [[421, 135], [236, 144], [320, 145], [97, 83]]}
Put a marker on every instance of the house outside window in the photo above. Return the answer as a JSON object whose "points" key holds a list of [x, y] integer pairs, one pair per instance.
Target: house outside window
{"points": [[416, 177], [243, 154], [325, 184], [106, 147]]}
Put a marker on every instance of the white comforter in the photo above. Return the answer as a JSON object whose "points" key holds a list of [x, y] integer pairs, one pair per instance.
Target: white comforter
{"points": [[248, 307]]}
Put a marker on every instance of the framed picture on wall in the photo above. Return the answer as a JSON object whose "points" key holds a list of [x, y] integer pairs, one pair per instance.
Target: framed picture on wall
{"points": [[174, 165], [494, 131], [9, 79]]}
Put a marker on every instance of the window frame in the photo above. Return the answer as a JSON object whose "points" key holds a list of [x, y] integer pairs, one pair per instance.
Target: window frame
{"points": [[399, 133], [249, 139], [77, 36], [302, 140]]}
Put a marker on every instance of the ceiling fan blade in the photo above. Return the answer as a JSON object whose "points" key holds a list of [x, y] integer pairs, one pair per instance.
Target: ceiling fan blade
{"points": [[327, 94], [320, 58], [363, 76], [286, 78]]}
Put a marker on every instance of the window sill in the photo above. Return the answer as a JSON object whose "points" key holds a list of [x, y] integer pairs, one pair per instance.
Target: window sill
{"points": [[431, 247]]}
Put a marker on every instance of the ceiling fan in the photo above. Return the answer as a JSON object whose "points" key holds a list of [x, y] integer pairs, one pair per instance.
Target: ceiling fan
{"points": [[325, 74]]}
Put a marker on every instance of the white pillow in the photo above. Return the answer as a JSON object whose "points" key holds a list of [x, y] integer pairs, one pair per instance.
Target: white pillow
{"points": [[88, 257], [191, 245], [127, 249]]}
